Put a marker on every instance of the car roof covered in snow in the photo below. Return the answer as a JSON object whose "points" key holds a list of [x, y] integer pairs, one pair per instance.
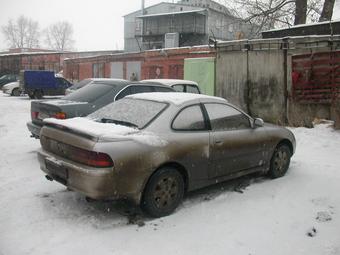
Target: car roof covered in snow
{"points": [[171, 82], [177, 98]]}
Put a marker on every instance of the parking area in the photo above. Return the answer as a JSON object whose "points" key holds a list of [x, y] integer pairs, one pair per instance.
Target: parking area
{"points": [[296, 214]]}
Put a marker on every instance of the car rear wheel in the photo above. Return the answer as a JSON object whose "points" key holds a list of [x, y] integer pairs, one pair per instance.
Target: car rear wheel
{"points": [[280, 161], [163, 193], [16, 92]]}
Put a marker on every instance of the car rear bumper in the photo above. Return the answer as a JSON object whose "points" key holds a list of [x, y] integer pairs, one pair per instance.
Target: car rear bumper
{"points": [[34, 129], [96, 183]]}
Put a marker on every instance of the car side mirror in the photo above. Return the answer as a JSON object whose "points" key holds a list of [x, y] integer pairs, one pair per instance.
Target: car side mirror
{"points": [[258, 122]]}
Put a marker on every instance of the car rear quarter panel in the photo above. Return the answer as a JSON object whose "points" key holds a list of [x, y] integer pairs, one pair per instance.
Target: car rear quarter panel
{"points": [[135, 161]]}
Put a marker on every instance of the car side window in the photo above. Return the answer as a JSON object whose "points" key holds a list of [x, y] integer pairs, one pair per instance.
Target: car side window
{"points": [[178, 88], [141, 89], [224, 117], [189, 118], [125, 92], [163, 89], [192, 89]]}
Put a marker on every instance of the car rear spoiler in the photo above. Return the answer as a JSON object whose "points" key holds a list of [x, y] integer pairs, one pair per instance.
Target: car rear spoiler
{"points": [[72, 131]]}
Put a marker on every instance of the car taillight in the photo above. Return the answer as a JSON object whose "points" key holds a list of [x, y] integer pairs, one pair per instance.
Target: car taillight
{"points": [[59, 115], [86, 157], [34, 115], [91, 158]]}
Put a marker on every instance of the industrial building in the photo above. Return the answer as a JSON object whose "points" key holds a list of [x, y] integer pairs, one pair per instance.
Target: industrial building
{"points": [[185, 23]]}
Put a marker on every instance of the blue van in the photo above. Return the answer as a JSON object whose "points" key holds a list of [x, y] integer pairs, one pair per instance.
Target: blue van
{"points": [[43, 83]]}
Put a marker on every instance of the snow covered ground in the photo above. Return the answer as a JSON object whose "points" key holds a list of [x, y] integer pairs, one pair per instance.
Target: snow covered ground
{"points": [[296, 214]]}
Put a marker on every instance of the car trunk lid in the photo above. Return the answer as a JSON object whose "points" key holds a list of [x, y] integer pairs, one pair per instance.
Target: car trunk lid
{"points": [[91, 129], [61, 109]]}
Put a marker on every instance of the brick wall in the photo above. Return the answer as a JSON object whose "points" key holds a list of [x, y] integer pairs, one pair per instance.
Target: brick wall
{"points": [[166, 63]]}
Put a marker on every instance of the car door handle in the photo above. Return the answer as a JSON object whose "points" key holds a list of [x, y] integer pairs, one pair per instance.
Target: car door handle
{"points": [[218, 141]]}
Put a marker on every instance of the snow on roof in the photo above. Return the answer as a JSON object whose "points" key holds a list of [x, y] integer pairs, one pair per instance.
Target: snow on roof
{"points": [[171, 82], [303, 25], [176, 98], [31, 53], [278, 39], [170, 13], [155, 5]]}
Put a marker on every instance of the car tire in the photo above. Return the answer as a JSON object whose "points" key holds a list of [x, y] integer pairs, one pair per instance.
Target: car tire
{"points": [[31, 95], [15, 92], [163, 192], [38, 94], [280, 161]]}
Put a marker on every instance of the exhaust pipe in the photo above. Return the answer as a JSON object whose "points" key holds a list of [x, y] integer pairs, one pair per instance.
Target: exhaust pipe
{"points": [[90, 200], [49, 178]]}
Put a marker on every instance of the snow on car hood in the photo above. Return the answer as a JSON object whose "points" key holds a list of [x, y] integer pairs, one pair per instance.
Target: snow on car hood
{"points": [[109, 131], [11, 85]]}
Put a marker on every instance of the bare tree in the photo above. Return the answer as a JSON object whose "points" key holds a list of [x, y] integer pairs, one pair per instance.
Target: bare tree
{"points": [[327, 10], [59, 36], [269, 14], [300, 12], [22, 33]]}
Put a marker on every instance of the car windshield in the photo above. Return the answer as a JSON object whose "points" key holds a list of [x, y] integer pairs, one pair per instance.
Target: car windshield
{"points": [[129, 112], [4, 77], [91, 93]]}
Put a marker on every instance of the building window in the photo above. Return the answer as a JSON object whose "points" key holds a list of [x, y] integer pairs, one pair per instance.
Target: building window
{"points": [[98, 70]]}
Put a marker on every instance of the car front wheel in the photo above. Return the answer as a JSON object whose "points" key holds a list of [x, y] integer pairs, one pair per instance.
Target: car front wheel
{"points": [[280, 161], [163, 192]]}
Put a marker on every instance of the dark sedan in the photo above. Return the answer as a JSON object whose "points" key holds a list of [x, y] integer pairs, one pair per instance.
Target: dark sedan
{"points": [[87, 100]]}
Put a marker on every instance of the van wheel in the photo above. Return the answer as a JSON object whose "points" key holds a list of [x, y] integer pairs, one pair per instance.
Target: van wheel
{"points": [[163, 193], [280, 161], [15, 92], [38, 94]]}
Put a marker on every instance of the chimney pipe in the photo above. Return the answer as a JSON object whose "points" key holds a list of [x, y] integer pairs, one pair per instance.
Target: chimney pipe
{"points": [[143, 7]]}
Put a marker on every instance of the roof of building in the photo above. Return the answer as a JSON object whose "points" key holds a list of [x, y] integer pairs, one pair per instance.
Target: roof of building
{"points": [[303, 25], [221, 8], [200, 11], [151, 6]]}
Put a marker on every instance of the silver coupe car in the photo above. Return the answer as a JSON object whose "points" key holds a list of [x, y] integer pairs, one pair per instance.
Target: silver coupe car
{"points": [[152, 148]]}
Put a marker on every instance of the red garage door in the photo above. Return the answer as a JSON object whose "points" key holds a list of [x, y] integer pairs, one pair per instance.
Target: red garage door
{"points": [[316, 77]]}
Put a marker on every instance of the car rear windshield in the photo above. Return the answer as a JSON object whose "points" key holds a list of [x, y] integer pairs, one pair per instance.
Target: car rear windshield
{"points": [[131, 112], [92, 92], [80, 84]]}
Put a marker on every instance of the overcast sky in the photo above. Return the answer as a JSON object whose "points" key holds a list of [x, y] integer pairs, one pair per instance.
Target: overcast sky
{"points": [[97, 24]]}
